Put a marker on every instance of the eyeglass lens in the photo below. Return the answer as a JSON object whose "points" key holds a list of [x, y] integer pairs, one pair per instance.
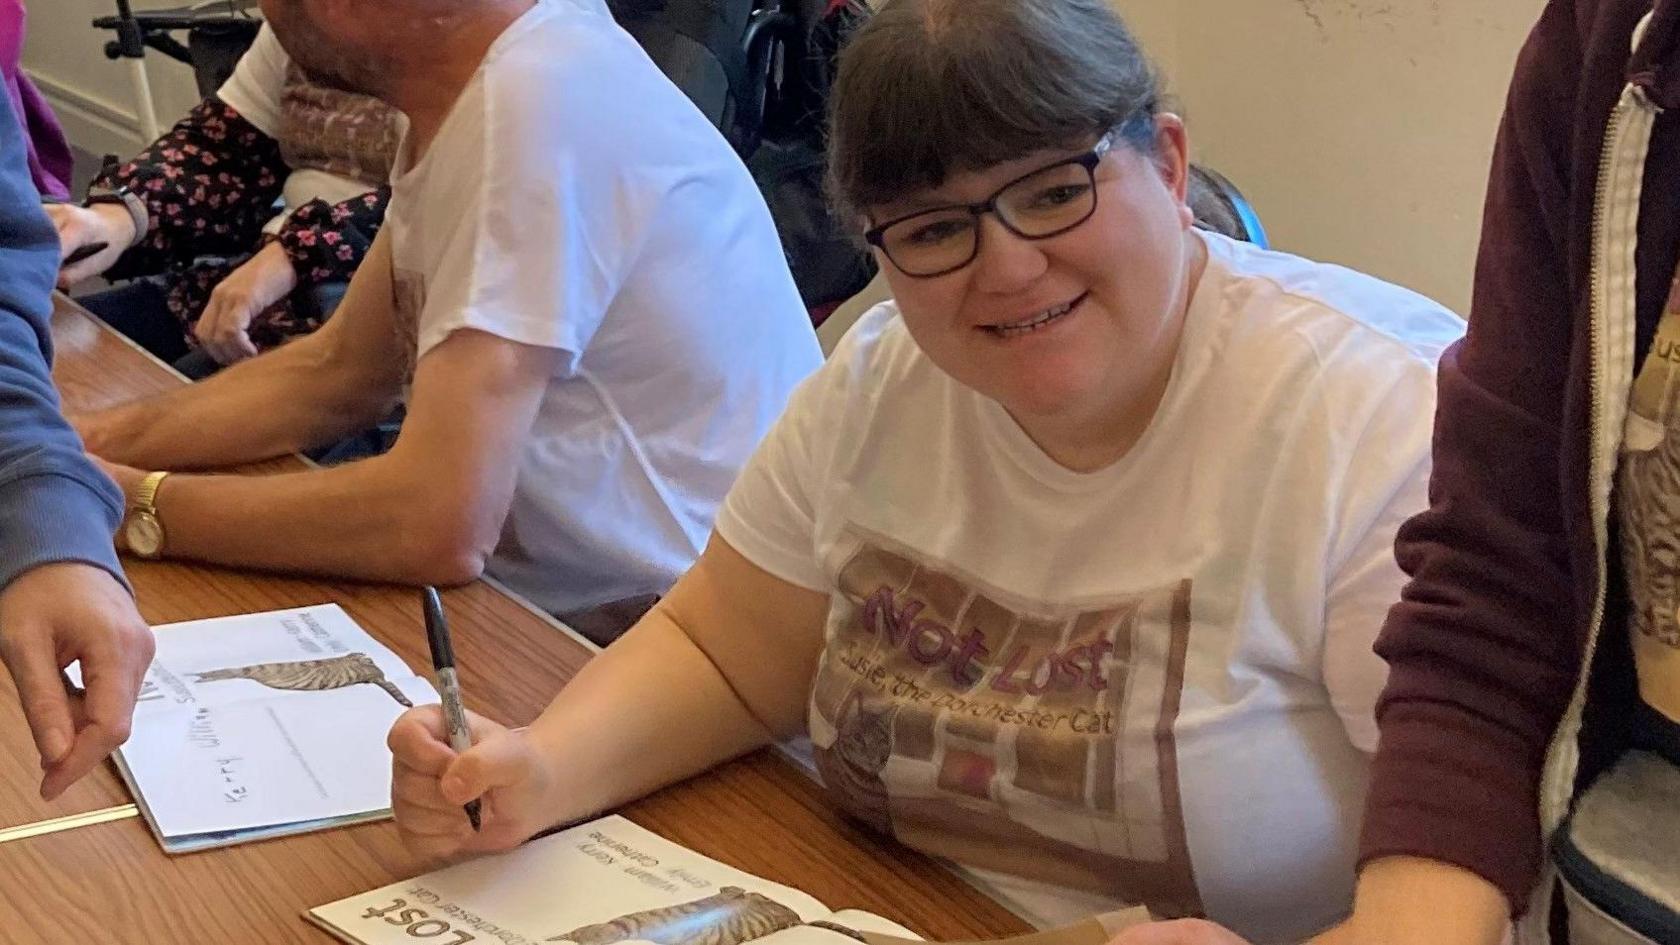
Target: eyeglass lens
{"points": [[1043, 204]]}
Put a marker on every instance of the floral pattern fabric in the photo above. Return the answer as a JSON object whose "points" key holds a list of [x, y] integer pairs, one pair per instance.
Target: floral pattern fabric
{"points": [[210, 185]]}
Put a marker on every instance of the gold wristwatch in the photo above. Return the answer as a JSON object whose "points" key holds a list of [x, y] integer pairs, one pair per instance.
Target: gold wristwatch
{"points": [[142, 529]]}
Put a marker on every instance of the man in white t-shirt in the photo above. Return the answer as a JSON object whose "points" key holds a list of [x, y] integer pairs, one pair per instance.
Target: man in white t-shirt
{"points": [[579, 288]]}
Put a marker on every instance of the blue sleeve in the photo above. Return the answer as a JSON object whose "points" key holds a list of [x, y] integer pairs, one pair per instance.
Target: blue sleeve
{"points": [[55, 505]]}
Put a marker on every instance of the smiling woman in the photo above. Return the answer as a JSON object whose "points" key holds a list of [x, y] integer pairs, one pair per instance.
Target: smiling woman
{"points": [[998, 135], [1070, 560]]}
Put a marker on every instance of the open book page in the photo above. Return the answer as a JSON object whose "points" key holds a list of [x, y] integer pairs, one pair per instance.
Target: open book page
{"points": [[598, 883], [227, 659], [262, 720], [860, 921], [280, 759]]}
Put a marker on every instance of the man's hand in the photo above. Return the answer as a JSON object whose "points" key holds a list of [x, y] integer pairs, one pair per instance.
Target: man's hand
{"points": [[224, 328], [127, 478], [51, 616], [77, 227]]}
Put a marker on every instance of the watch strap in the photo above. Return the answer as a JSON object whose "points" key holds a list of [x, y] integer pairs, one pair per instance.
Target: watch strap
{"points": [[129, 201], [145, 497]]}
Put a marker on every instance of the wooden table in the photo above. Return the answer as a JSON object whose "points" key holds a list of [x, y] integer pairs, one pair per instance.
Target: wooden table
{"points": [[111, 883]]}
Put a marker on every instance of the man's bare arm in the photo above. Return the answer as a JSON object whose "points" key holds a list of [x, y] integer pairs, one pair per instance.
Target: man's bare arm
{"points": [[428, 512], [342, 379]]}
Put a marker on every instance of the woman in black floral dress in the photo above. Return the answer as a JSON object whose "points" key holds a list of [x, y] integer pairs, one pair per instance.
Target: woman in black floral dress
{"points": [[241, 225]]}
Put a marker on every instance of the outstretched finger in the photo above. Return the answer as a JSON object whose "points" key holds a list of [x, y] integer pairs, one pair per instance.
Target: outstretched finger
{"points": [[46, 705], [105, 713], [111, 683]]}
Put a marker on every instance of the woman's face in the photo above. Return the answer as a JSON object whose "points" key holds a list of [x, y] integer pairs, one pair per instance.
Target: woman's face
{"points": [[1113, 288]]}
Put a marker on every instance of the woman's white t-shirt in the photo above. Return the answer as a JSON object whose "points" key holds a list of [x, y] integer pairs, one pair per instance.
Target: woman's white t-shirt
{"points": [[1153, 683]]}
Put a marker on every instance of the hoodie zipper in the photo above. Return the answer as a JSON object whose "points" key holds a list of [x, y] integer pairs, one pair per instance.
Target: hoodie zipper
{"points": [[1615, 228], [1611, 318], [1615, 233]]}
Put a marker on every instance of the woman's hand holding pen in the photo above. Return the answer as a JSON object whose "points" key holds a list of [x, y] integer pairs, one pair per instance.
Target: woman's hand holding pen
{"points": [[505, 769]]}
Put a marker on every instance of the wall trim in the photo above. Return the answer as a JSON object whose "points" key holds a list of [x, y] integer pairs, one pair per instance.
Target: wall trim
{"points": [[91, 122]]}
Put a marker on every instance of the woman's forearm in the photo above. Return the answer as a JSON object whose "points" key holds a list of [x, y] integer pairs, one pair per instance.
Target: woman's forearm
{"points": [[1411, 901], [649, 711]]}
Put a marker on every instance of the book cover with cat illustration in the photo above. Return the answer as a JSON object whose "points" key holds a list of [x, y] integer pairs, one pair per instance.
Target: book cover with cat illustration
{"points": [[600, 883], [610, 881]]}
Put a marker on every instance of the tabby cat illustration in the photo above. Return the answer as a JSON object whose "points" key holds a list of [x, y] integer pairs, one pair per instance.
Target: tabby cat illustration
{"points": [[865, 737], [312, 675], [851, 767], [1650, 483], [731, 917]]}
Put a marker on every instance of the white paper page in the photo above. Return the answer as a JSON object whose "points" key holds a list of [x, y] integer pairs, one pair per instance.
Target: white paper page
{"points": [[229, 659], [870, 922], [594, 873], [291, 756]]}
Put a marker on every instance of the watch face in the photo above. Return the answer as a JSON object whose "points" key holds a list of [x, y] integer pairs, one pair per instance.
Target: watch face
{"points": [[144, 534]]}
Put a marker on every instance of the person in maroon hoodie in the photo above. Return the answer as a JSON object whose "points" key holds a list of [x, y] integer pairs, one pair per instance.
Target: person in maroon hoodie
{"points": [[1536, 645]]}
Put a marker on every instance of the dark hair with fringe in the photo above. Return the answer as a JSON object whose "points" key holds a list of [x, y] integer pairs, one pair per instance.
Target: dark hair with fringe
{"points": [[928, 88]]}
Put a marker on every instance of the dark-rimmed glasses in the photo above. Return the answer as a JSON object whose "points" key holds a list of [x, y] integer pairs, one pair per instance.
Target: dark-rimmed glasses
{"points": [[1035, 206]]}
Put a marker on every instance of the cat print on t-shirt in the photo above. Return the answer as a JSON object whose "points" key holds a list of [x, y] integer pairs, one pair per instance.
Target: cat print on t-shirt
{"points": [[1648, 501], [1032, 739]]}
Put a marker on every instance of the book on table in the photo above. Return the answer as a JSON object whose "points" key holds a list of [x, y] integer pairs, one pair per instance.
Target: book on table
{"points": [[610, 881], [263, 725]]}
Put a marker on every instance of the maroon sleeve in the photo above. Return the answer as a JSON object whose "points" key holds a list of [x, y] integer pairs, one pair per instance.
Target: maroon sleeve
{"points": [[1481, 652]]}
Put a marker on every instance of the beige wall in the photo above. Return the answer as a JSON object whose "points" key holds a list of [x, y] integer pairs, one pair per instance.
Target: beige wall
{"points": [[94, 96], [1361, 129]]}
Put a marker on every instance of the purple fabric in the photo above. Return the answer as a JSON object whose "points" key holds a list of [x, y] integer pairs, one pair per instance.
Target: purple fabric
{"points": [[50, 159]]}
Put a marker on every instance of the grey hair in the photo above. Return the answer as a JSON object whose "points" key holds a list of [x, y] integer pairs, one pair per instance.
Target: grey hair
{"points": [[928, 88]]}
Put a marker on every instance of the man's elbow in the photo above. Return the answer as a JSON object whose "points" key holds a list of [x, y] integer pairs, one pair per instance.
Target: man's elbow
{"points": [[446, 550]]}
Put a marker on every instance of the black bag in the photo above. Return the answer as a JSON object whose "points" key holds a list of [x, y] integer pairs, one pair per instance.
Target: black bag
{"points": [[216, 46], [829, 264], [700, 45]]}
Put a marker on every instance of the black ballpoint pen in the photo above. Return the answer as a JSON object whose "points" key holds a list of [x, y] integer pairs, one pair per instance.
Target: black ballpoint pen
{"points": [[443, 662]]}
